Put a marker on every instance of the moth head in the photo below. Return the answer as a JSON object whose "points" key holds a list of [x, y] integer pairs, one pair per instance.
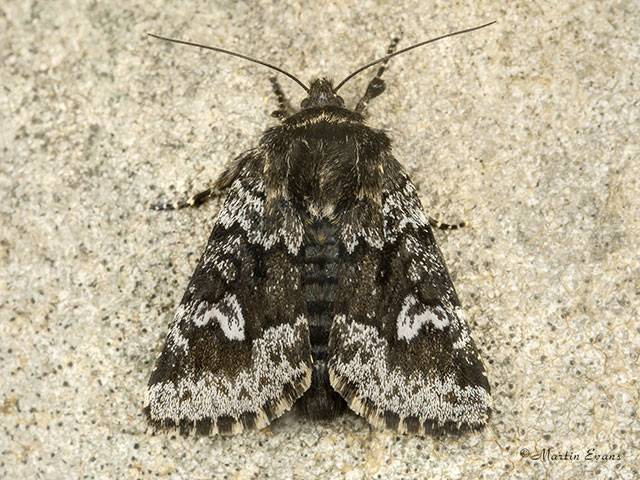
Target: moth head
{"points": [[321, 94]]}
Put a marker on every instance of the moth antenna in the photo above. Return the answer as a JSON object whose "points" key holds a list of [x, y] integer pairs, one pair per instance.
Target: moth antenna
{"points": [[387, 57], [234, 54]]}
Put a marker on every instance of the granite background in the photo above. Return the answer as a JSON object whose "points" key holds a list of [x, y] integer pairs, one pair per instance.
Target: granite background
{"points": [[527, 130]]}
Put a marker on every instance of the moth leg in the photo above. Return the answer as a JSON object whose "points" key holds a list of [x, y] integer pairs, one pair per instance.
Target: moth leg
{"points": [[224, 181], [445, 226], [284, 107], [376, 85], [193, 201]]}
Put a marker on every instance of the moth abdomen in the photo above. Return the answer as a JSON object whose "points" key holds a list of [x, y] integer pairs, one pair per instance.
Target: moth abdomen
{"points": [[321, 258], [319, 284]]}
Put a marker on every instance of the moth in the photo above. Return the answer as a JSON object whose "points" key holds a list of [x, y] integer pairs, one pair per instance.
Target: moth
{"points": [[321, 287]]}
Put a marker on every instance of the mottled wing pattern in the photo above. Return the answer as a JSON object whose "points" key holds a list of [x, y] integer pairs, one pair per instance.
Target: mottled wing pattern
{"points": [[237, 354], [401, 352]]}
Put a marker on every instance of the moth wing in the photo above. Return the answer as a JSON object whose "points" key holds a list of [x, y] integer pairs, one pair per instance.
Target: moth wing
{"points": [[401, 352], [237, 354]]}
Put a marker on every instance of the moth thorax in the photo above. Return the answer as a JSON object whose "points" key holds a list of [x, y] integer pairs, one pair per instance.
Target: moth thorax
{"points": [[321, 209]]}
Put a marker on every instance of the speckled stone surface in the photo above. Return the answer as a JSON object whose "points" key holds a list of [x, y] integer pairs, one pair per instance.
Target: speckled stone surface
{"points": [[528, 130]]}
